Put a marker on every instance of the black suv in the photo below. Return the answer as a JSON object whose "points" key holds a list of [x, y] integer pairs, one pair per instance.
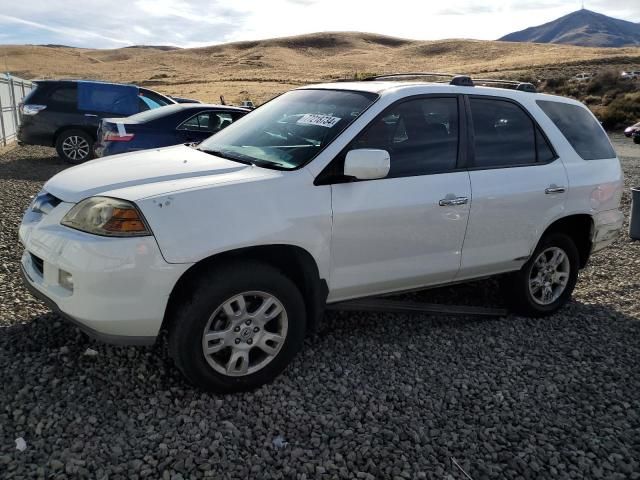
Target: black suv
{"points": [[66, 113]]}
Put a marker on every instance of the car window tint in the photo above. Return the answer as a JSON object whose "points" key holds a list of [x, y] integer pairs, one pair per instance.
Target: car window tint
{"points": [[154, 99], [580, 128], [64, 98], [150, 104], [211, 122], [420, 135], [504, 135], [544, 150]]}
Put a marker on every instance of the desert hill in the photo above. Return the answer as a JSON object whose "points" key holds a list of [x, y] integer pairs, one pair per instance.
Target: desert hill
{"points": [[261, 69]]}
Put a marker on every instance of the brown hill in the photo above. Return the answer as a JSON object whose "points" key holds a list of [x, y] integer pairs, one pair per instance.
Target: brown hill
{"points": [[261, 69]]}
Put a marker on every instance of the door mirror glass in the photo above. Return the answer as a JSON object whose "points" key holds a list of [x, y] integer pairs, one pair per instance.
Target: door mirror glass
{"points": [[367, 164]]}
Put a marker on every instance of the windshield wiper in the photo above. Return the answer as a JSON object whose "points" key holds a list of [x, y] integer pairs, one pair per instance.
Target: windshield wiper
{"points": [[245, 159], [224, 154]]}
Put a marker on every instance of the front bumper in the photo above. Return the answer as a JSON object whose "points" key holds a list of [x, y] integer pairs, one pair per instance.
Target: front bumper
{"points": [[121, 286], [606, 226]]}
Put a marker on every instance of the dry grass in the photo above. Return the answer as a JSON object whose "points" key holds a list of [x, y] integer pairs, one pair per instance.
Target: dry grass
{"points": [[262, 69]]}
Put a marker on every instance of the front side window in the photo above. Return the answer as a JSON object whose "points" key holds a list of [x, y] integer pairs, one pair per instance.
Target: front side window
{"points": [[153, 99], [580, 128], [504, 135], [421, 136], [289, 131]]}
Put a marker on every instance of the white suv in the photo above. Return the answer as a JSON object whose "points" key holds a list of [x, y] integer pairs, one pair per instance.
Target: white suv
{"points": [[326, 193]]}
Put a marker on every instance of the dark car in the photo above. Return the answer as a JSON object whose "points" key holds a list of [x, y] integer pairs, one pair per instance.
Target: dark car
{"points": [[629, 131], [170, 125], [66, 113]]}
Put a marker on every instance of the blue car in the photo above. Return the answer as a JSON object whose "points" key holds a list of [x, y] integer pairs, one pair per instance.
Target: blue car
{"points": [[165, 126]]}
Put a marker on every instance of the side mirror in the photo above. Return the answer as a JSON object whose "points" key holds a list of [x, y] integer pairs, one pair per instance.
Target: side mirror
{"points": [[367, 164]]}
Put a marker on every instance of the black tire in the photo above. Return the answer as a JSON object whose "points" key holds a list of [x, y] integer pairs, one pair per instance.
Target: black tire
{"points": [[636, 139], [74, 137], [209, 292], [515, 286]]}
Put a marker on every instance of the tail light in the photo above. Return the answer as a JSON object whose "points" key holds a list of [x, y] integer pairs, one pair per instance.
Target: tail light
{"points": [[31, 109], [117, 137]]}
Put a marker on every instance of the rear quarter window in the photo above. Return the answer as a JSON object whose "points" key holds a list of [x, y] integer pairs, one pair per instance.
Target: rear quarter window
{"points": [[580, 128], [63, 98]]}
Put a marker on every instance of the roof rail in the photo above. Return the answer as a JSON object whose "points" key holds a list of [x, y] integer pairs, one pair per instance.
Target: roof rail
{"points": [[456, 79], [514, 84], [460, 80]]}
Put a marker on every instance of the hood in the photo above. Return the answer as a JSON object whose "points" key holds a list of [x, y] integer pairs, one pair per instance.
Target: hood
{"points": [[132, 176]]}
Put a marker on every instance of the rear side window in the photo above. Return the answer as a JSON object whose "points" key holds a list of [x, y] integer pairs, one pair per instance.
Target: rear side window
{"points": [[421, 136], [505, 135], [64, 99], [580, 128], [209, 122]]}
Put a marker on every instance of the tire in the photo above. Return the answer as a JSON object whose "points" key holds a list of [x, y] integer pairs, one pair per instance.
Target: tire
{"points": [[74, 146], [204, 311], [636, 139], [518, 293]]}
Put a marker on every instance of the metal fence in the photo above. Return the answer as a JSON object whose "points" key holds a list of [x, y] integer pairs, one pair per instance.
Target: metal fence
{"points": [[12, 91]]}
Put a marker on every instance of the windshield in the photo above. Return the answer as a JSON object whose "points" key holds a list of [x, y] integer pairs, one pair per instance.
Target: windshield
{"points": [[291, 130]]}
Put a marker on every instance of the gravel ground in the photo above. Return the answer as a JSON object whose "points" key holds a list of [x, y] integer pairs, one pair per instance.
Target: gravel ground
{"points": [[371, 396]]}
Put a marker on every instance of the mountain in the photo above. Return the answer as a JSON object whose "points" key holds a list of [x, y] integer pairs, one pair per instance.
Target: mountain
{"points": [[584, 28]]}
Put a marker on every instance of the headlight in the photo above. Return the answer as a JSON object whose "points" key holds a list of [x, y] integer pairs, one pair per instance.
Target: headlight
{"points": [[107, 216]]}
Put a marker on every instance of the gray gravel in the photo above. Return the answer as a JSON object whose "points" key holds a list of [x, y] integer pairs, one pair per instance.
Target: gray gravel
{"points": [[371, 396]]}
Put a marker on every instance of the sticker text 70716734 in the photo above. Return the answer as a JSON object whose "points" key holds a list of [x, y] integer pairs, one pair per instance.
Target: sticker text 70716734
{"points": [[327, 121]]}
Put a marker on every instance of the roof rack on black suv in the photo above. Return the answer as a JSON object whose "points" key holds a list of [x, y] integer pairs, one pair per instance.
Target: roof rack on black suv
{"points": [[460, 80]]}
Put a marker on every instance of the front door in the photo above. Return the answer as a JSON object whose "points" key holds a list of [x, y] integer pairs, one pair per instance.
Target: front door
{"points": [[406, 230]]}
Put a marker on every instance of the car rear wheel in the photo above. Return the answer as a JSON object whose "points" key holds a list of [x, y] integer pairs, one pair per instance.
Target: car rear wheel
{"points": [[545, 283], [238, 329], [74, 146]]}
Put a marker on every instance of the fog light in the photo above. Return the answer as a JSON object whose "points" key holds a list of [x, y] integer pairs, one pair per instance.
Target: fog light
{"points": [[65, 279]]}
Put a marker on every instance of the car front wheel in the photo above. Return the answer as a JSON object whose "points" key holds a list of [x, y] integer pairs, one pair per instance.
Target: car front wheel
{"points": [[545, 283], [238, 329]]}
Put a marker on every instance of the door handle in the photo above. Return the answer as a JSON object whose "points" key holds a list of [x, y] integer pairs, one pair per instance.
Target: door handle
{"points": [[554, 189], [90, 115], [449, 202]]}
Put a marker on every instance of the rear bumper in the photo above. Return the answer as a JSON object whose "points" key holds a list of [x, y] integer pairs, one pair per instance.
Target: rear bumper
{"points": [[606, 226], [29, 135]]}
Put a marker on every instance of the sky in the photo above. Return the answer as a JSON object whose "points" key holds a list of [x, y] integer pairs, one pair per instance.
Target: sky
{"points": [[195, 23]]}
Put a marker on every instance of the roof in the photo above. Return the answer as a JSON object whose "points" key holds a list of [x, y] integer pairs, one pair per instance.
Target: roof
{"points": [[379, 87]]}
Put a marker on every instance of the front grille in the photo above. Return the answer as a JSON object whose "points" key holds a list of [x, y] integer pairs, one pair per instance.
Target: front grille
{"points": [[38, 263]]}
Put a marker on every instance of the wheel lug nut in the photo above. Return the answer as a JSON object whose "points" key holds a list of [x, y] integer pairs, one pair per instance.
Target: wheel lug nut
{"points": [[237, 341], [248, 322], [250, 341], [256, 329], [237, 329]]}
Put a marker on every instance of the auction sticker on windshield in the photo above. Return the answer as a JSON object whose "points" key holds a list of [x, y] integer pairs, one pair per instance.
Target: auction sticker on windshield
{"points": [[318, 119]]}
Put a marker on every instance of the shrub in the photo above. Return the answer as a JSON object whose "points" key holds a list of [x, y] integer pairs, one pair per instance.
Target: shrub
{"points": [[592, 100], [623, 110]]}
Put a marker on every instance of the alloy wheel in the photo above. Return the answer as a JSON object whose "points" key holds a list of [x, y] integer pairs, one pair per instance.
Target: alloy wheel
{"points": [[549, 276], [75, 147], [245, 333]]}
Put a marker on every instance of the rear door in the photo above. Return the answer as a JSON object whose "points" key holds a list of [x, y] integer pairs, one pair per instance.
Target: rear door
{"points": [[98, 100], [519, 186], [406, 230]]}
